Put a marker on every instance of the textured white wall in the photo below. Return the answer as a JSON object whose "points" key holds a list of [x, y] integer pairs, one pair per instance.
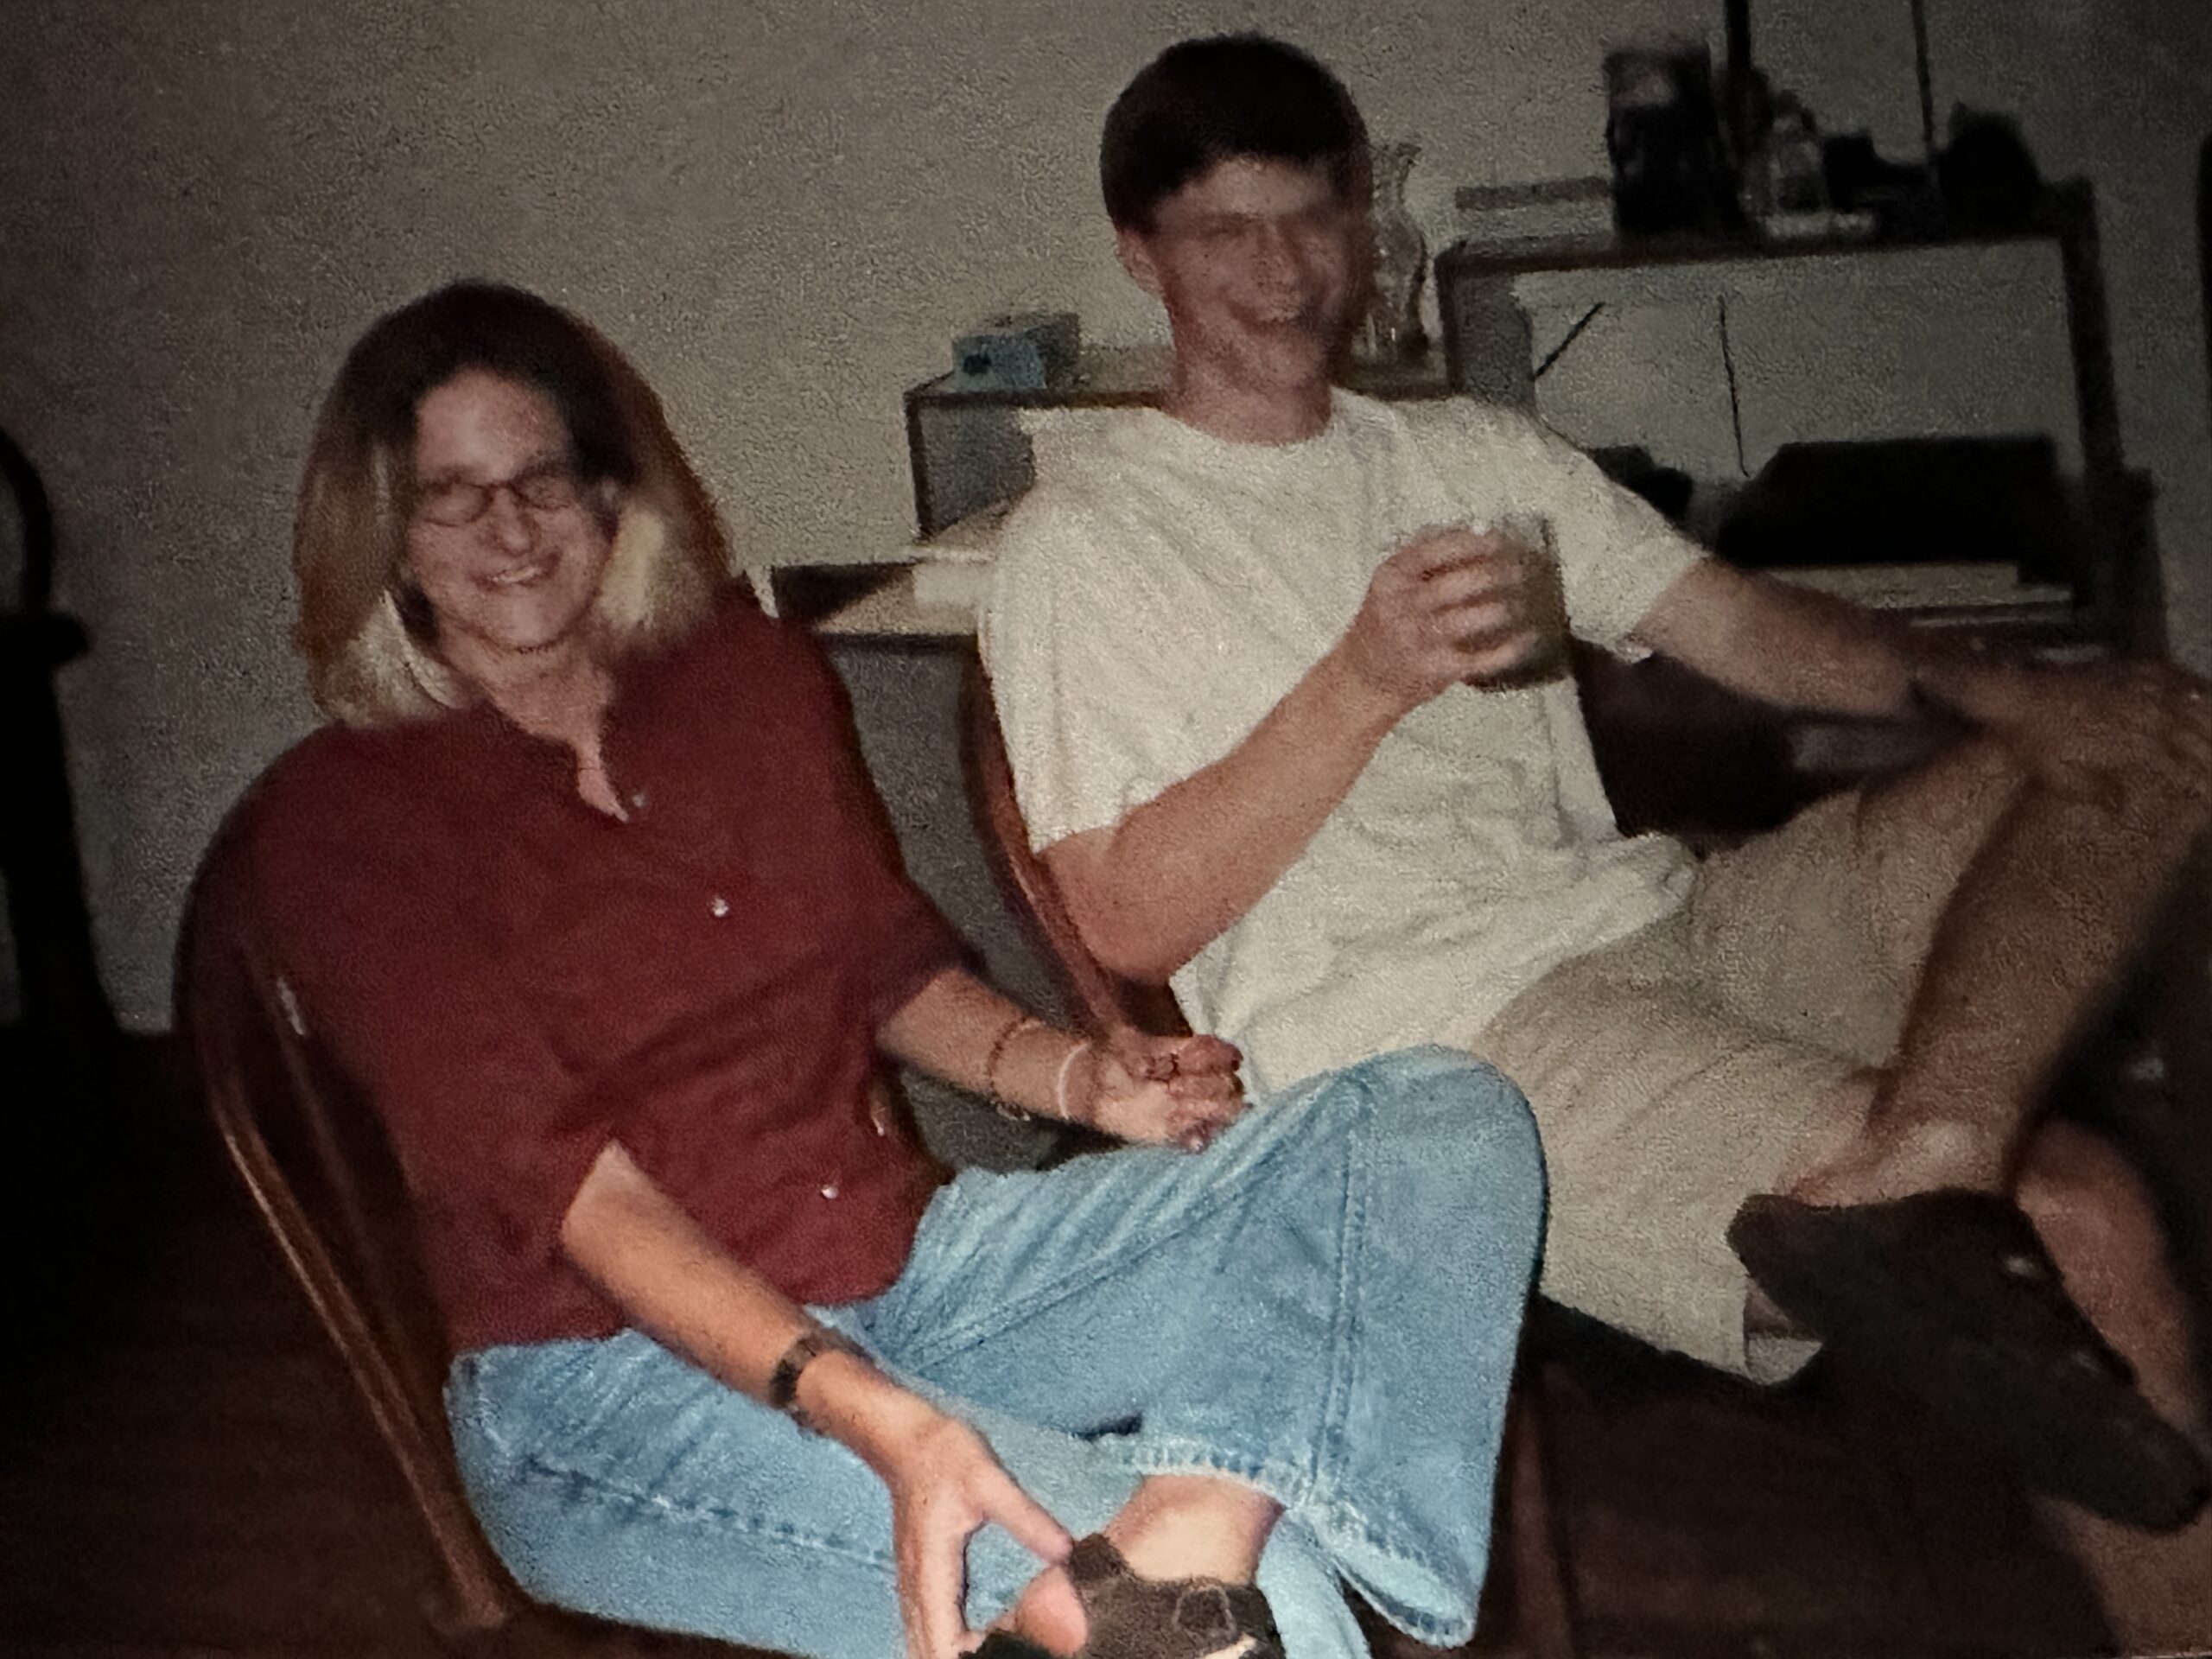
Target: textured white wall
{"points": [[783, 208]]}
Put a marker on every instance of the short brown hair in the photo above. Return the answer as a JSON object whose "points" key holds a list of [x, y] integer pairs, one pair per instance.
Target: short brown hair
{"points": [[365, 632], [1218, 98]]}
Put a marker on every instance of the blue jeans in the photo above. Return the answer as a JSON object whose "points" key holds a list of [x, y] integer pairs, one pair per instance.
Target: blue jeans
{"points": [[1325, 1305]]}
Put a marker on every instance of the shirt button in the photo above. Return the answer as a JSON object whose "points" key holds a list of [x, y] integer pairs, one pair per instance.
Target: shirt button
{"points": [[718, 906], [637, 800], [830, 1190]]}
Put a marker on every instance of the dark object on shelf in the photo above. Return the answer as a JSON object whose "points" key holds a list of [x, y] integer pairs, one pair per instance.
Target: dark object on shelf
{"points": [[1989, 180], [1747, 102], [1860, 181], [1785, 173], [1908, 501], [1662, 133]]}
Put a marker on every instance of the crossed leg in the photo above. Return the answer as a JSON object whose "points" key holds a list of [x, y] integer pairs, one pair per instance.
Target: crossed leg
{"points": [[2038, 903]]}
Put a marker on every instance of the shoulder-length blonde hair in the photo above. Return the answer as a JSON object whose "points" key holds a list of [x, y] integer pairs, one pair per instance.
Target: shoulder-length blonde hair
{"points": [[365, 631]]}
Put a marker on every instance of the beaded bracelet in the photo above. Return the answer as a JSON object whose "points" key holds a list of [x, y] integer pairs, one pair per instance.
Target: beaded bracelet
{"points": [[1014, 1028], [1060, 1083]]}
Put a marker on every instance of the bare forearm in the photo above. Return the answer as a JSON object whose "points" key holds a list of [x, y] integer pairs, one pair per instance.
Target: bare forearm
{"points": [[1819, 652], [1786, 645], [1150, 893], [1810, 651], [939, 1474], [951, 1027], [649, 1257]]}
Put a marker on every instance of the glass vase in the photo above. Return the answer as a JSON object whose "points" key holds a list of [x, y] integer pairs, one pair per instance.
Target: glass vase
{"points": [[1394, 332]]}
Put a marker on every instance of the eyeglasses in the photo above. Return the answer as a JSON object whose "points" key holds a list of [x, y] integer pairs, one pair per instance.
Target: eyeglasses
{"points": [[458, 502]]}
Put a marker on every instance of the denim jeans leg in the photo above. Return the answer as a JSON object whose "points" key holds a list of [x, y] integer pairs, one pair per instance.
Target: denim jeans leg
{"points": [[1327, 1305], [1261, 1308], [614, 1478]]}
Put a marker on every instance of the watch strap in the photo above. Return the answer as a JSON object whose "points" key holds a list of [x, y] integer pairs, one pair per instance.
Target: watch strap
{"points": [[807, 1347]]}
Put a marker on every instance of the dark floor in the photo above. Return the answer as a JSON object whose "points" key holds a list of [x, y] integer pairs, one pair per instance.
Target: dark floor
{"points": [[185, 1471]]}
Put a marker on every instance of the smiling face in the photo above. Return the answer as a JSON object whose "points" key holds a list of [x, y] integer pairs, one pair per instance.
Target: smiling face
{"points": [[1256, 261], [514, 587]]}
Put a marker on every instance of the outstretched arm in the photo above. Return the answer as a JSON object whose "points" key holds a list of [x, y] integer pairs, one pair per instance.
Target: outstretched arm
{"points": [[1149, 893], [2077, 729], [1783, 644]]}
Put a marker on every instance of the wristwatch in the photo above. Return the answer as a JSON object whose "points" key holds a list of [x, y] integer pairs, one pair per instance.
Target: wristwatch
{"points": [[783, 1381]]}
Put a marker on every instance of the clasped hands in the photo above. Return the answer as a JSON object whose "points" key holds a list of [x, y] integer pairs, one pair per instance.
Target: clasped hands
{"points": [[1160, 1090]]}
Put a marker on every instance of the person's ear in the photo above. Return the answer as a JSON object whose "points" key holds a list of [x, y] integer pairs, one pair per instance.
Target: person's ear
{"points": [[1135, 248]]}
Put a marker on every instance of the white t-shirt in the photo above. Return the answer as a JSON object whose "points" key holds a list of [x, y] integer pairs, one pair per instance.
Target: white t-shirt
{"points": [[1159, 590]]}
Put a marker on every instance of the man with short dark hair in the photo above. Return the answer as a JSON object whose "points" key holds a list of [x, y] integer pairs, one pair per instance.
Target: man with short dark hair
{"points": [[1258, 657]]}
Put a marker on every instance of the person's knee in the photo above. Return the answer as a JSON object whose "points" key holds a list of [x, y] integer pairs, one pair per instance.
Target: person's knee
{"points": [[1990, 769], [2160, 811], [1454, 1080], [2147, 722], [2167, 811], [1464, 1109]]}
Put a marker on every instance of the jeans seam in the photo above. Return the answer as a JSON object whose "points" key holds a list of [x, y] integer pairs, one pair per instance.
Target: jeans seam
{"points": [[465, 1409], [1177, 1454], [1328, 1450], [1349, 1517], [468, 1403], [597, 1488]]}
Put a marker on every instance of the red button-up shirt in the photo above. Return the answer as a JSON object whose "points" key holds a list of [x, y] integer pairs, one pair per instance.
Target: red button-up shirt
{"points": [[516, 979]]}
